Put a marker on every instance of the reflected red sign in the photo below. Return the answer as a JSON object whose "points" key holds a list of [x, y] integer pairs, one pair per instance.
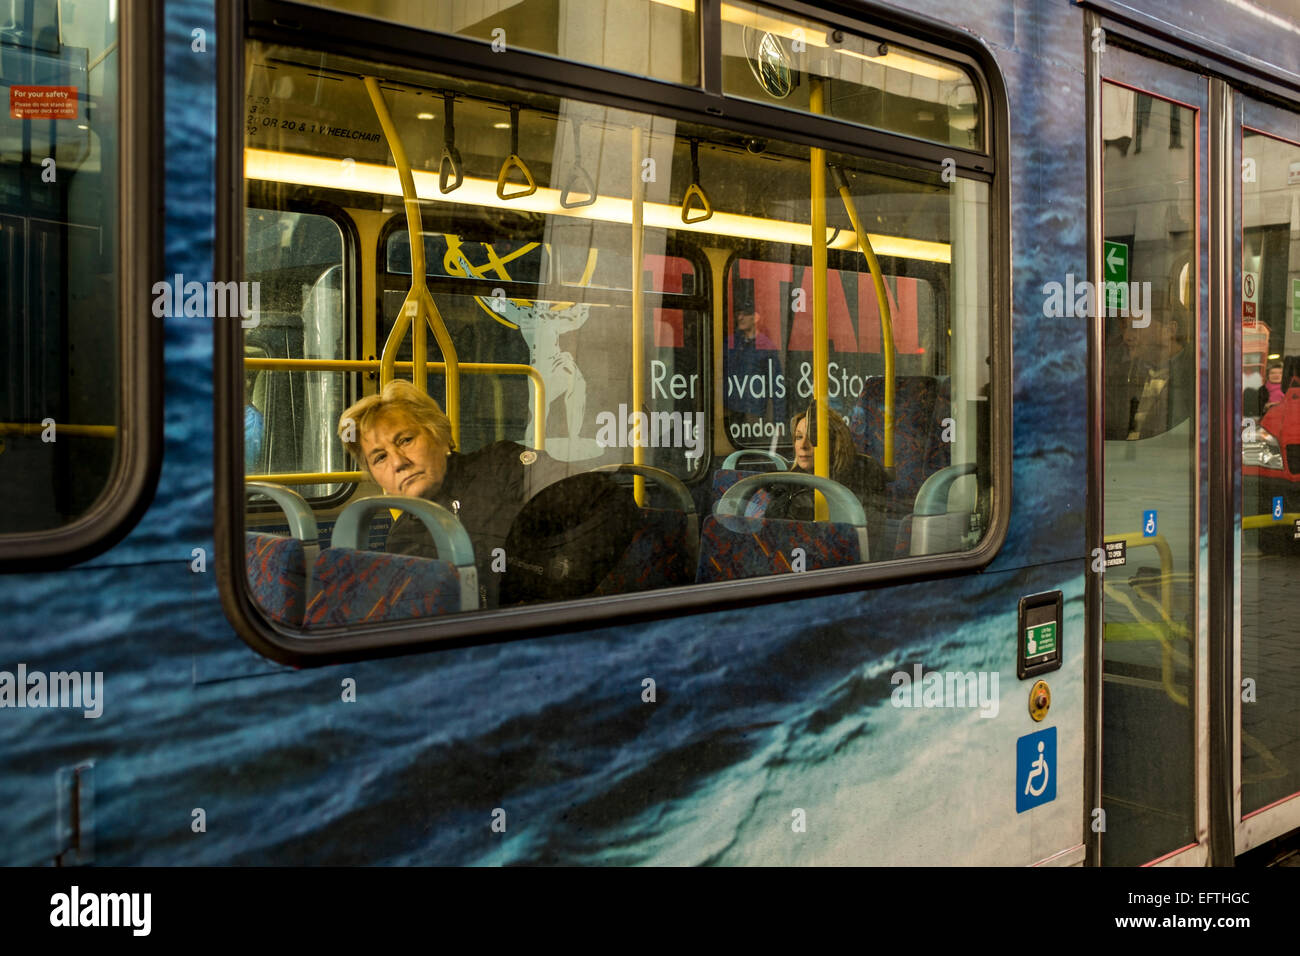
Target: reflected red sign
{"points": [[43, 102]]}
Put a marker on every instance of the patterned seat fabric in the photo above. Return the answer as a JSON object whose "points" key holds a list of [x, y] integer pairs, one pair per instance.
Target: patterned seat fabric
{"points": [[735, 547], [903, 544], [277, 575], [657, 556], [355, 587], [724, 478], [921, 403]]}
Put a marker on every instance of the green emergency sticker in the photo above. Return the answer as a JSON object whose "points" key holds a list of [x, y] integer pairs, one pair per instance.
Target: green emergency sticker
{"points": [[1295, 305], [1040, 639]]}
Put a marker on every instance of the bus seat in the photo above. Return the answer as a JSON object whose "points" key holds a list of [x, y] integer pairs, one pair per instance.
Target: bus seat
{"points": [[660, 554], [932, 528], [734, 546], [366, 587], [729, 474], [277, 565], [665, 548], [354, 586], [277, 576], [921, 403]]}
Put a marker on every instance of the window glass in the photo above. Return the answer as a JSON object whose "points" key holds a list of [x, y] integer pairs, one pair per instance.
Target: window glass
{"points": [[587, 288], [784, 60], [655, 38], [296, 259], [1150, 366], [576, 347], [1270, 467], [59, 263]]}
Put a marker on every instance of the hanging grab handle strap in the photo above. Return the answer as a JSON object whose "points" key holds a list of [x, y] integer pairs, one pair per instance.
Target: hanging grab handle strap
{"points": [[449, 166], [703, 209], [513, 161], [578, 176]]}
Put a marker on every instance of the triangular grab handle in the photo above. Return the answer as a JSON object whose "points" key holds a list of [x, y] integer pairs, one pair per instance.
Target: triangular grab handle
{"points": [[527, 188], [580, 179], [703, 209], [449, 168]]}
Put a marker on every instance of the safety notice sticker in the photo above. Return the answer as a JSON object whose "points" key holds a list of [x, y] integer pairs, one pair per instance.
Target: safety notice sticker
{"points": [[43, 102]]}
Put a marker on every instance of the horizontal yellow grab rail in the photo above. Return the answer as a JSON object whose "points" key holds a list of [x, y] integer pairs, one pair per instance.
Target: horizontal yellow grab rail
{"points": [[311, 477], [85, 431], [1251, 522], [1135, 539], [368, 365]]}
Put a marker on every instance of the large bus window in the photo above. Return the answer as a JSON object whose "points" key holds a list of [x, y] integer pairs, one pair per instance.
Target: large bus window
{"points": [[656, 38], [74, 446], [568, 325]]}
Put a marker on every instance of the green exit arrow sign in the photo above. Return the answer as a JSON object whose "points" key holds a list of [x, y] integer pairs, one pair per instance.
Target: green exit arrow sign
{"points": [[1115, 274]]}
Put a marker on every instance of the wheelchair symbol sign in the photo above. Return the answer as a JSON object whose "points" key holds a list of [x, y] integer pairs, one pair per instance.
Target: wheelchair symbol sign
{"points": [[1035, 769], [1277, 508], [1148, 524]]}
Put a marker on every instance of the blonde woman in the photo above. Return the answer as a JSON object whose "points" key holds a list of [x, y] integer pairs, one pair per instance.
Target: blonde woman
{"points": [[403, 441]]}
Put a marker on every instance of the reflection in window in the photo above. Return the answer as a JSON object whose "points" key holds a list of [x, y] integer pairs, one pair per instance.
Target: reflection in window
{"points": [[655, 38], [784, 60], [1149, 606], [568, 269], [59, 265]]}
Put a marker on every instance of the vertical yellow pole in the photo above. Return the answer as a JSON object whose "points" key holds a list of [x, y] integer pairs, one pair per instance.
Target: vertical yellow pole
{"points": [[638, 308], [419, 306], [821, 344], [886, 321]]}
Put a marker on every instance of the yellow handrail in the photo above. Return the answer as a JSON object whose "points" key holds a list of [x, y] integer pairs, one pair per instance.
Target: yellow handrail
{"points": [[1135, 539], [1251, 522], [81, 431], [471, 368], [310, 477], [638, 309], [418, 306], [886, 319], [821, 345]]}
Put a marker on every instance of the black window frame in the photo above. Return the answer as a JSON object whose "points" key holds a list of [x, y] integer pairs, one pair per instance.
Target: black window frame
{"points": [[282, 21], [134, 475]]}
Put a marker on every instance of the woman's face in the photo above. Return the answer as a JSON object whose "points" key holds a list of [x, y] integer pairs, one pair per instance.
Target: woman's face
{"points": [[403, 457], [1275, 376], [803, 449]]}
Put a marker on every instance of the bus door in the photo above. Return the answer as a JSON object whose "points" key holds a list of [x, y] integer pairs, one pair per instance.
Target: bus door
{"points": [[1148, 257], [1266, 716]]}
